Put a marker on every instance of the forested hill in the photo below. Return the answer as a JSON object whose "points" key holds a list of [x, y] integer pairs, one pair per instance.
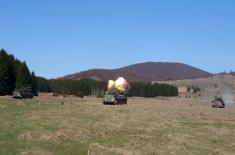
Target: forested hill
{"points": [[148, 71]]}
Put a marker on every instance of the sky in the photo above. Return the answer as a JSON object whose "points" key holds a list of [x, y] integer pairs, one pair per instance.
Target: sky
{"points": [[60, 37]]}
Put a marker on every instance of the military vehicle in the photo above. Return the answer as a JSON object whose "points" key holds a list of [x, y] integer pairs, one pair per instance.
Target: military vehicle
{"points": [[23, 93], [115, 97], [117, 92], [218, 102]]}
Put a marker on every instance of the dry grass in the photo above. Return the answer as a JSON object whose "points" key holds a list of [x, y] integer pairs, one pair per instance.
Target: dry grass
{"points": [[25, 136], [143, 126]]}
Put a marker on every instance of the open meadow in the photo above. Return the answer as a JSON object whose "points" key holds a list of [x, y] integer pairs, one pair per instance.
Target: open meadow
{"points": [[43, 126]]}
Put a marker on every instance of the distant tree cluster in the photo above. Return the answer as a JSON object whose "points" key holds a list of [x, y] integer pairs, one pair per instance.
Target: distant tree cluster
{"points": [[76, 87], [15, 74], [231, 72], [194, 88], [91, 87], [43, 84], [146, 89], [71, 87]]}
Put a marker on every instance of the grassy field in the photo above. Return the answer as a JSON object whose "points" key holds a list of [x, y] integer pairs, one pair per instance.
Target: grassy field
{"points": [[43, 126]]}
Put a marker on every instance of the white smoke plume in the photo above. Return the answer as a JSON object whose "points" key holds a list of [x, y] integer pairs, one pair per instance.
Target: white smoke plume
{"points": [[228, 96]]}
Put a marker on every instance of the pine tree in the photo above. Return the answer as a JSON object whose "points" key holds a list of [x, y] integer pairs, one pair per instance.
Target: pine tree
{"points": [[7, 73], [34, 87], [3, 72], [23, 78], [11, 74]]}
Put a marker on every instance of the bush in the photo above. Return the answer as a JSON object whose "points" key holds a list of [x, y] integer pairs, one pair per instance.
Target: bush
{"points": [[79, 94], [195, 89], [188, 89], [55, 95]]}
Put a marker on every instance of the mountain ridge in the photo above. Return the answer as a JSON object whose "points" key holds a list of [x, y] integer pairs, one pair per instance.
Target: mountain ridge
{"points": [[147, 71]]}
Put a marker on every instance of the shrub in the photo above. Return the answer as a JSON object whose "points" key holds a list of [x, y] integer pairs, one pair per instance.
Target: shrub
{"points": [[79, 94], [55, 94]]}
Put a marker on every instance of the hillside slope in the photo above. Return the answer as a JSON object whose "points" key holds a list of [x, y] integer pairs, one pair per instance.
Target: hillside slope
{"points": [[149, 71]]}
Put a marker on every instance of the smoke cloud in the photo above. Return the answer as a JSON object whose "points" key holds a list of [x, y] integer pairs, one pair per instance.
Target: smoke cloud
{"points": [[120, 84]]}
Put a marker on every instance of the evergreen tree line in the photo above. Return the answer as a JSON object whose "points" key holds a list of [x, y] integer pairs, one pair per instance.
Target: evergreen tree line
{"points": [[15, 74], [71, 87], [92, 87], [76, 87], [146, 89]]}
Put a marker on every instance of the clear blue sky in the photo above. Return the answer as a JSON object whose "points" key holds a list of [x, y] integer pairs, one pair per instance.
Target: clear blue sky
{"points": [[58, 37]]}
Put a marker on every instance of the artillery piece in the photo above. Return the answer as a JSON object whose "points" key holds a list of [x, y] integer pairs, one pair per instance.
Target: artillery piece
{"points": [[117, 92]]}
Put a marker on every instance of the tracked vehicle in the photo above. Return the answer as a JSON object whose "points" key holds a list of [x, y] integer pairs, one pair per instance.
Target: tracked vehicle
{"points": [[115, 98], [117, 92], [218, 102], [23, 93]]}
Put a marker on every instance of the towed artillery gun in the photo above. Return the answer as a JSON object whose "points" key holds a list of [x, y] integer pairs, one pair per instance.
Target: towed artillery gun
{"points": [[117, 92]]}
